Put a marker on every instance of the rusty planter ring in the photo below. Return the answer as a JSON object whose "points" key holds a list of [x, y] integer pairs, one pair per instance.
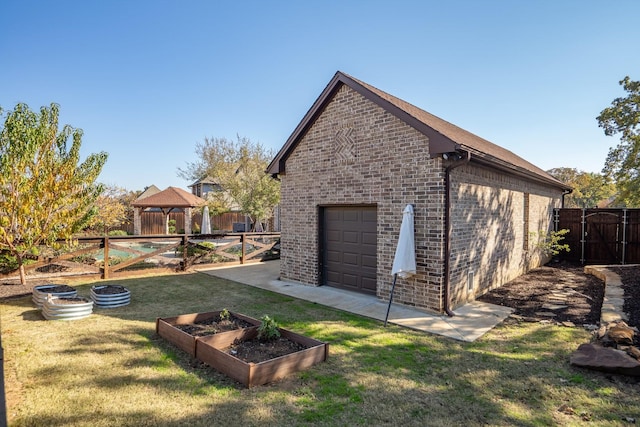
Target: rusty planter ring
{"points": [[53, 309], [110, 300], [40, 293]]}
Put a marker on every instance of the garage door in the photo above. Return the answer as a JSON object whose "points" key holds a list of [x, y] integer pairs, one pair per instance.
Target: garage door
{"points": [[349, 236]]}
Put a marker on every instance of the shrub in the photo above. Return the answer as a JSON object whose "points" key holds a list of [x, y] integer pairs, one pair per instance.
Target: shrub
{"points": [[268, 329]]}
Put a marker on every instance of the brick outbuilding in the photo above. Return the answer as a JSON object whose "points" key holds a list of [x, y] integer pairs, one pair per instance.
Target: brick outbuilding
{"points": [[360, 155]]}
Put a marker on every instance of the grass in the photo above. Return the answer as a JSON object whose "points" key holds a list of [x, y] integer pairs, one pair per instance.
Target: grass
{"points": [[111, 369]]}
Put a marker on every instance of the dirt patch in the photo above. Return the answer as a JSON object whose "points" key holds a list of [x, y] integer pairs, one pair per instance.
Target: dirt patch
{"points": [[213, 326], [256, 351]]}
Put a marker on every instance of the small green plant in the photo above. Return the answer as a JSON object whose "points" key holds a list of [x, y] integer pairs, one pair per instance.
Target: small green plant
{"points": [[225, 315], [268, 329], [549, 242], [117, 233], [172, 226]]}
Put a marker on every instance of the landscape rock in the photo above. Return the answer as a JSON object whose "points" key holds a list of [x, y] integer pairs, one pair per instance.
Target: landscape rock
{"points": [[593, 356], [634, 352], [621, 334]]}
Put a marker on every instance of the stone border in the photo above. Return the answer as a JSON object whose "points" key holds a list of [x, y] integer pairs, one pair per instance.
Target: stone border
{"points": [[613, 301]]}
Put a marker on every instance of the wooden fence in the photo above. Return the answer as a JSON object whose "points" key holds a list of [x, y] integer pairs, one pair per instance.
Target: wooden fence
{"points": [[601, 236], [106, 256], [152, 222]]}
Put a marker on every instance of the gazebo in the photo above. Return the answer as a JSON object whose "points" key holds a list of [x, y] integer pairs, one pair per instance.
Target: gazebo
{"points": [[168, 200]]}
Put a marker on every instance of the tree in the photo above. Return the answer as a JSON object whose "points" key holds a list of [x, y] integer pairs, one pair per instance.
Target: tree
{"points": [[110, 209], [623, 161], [45, 194], [239, 167], [589, 188]]}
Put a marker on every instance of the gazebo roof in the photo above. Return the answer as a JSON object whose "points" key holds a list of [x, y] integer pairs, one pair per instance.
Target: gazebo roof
{"points": [[172, 197]]}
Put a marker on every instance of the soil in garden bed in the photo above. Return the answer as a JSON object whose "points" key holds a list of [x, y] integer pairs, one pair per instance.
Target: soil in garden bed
{"points": [[110, 290], [257, 351], [57, 289], [213, 326], [70, 300]]}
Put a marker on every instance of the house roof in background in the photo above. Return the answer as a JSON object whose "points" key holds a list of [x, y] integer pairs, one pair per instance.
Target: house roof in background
{"points": [[172, 197], [205, 180], [443, 136], [149, 191]]}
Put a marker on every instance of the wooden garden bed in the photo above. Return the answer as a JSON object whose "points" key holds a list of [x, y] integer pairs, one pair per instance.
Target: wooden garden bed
{"points": [[167, 329]]}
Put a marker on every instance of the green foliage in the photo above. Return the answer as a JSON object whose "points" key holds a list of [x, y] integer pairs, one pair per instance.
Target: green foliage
{"points": [[117, 233], [550, 242], [46, 193], [110, 210], [589, 189], [225, 315], [172, 226], [239, 168], [623, 161], [268, 329]]}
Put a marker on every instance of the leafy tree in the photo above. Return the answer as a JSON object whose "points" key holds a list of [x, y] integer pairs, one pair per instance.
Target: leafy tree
{"points": [[623, 161], [110, 209], [589, 188], [239, 168], [45, 193]]}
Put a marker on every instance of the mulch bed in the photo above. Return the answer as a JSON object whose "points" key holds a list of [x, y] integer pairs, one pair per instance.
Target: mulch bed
{"points": [[562, 292], [630, 278]]}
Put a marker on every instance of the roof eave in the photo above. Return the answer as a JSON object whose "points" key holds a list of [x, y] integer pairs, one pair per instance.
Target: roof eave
{"points": [[495, 163]]}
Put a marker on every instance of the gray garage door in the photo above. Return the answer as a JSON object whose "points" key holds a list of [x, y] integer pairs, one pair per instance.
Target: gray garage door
{"points": [[349, 248]]}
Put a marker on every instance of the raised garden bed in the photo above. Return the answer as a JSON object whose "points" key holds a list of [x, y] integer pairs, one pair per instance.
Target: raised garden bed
{"points": [[183, 331], [110, 296], [66, 308], [217, 353], [40, 293]]}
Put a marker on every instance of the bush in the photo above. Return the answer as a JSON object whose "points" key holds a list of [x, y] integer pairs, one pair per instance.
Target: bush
{"points": [[268, 329], [117, 233]]}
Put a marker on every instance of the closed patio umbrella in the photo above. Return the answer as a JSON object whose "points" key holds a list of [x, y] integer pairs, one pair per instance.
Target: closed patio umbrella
{"points": [[206, 221], [404, 262]]}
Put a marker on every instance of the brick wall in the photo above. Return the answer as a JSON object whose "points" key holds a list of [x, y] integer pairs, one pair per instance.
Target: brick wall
{"points": [[490, 228], [357, 153]]}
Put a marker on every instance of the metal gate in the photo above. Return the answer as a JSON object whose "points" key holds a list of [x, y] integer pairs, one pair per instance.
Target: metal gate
{"points": [[601, 236]]}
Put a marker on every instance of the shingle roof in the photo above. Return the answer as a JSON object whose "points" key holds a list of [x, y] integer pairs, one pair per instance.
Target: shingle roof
{"points": [[149, 191], [172, 197], [443, 136]]}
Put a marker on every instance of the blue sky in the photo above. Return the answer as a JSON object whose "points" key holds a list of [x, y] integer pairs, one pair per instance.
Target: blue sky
{"points": [[147, 80]]}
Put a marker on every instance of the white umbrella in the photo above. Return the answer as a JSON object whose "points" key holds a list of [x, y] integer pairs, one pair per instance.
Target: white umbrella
{"points": [[404, 262], [206, 221]]}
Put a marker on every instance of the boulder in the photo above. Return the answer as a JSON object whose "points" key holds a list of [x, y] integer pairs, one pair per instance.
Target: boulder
{"points": [[621, 334], [605, 359]]}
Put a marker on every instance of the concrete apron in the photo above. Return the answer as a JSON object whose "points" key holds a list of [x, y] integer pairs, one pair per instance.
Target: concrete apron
{"points": [[470, 322]]}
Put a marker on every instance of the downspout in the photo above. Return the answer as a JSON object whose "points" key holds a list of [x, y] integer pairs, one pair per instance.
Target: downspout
{"points": [[447, 227]]}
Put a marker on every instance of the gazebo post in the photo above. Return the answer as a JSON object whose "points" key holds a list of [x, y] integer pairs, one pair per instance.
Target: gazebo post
{"points": [[187, 220], [137, 224]]}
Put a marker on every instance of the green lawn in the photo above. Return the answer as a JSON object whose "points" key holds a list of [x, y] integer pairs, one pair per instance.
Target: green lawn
{"points": [[111, 369]]}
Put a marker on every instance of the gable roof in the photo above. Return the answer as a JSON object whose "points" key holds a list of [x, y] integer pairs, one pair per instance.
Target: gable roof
{"points": [[172, 197], [149, 191], [443, 136]]}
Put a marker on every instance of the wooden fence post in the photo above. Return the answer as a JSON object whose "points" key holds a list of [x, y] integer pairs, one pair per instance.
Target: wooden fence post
{"points": [[185, 252], [105, 257], [243, 238]]}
